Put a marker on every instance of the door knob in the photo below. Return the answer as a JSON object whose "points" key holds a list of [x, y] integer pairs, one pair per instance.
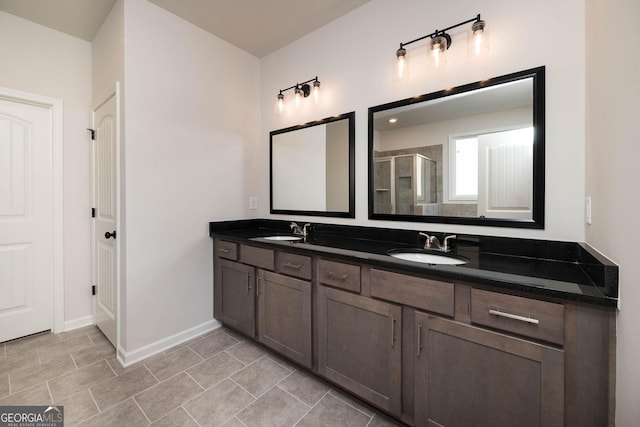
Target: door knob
{"points": [[108, 235]]}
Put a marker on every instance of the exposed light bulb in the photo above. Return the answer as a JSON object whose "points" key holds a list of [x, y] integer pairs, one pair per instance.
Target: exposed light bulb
{"points": [[436, 54], [439, 46], [280, 102], [478, 41], [401, 57]]}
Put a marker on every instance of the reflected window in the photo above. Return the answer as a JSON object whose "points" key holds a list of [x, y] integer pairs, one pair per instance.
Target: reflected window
{"points": [[464, 168]]}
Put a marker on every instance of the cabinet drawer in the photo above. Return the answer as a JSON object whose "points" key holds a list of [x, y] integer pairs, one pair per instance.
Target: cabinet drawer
{"points": [[228, 250], [340, 275], [427, 294], [532, 318], [294, 265], [260, 257]]}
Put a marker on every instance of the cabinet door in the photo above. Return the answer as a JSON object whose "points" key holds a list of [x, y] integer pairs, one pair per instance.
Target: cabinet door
{"points": [[234, 296], [467, 376], [284, 315], [360, 346]]}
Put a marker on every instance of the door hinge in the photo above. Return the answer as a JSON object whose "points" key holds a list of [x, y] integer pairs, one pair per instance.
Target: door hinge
{"points": [[93, 212], [93, 134], [93, 290]]}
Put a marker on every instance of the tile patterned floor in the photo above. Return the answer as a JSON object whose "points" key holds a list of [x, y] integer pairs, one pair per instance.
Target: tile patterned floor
{"points": [[218, 379]]}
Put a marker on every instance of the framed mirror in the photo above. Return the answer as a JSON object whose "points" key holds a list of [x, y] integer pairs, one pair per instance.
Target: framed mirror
{"points": [[312, 168], [473, 154]]}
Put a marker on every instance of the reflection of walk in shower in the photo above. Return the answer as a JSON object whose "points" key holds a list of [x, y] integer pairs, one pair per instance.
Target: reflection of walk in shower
{"points": [[405, 185]]}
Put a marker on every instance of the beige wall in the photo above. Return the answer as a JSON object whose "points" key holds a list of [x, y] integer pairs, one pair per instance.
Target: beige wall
{"points": [[353, 58], [613, 173], [192, 121], [337, 167], [41, 61]]}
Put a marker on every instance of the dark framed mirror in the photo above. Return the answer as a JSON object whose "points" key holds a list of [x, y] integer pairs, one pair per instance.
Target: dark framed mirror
{"points": [[312, 168], [473, 154]]}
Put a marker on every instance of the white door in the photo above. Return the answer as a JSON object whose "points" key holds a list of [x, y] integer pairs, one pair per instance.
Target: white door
{"points": [[505, 174], [105, 250], [26, 219]]}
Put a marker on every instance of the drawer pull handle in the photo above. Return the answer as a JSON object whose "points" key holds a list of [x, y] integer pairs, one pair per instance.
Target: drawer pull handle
{"points": [[296, 266], [223, 250], [514, 317], [419, 339], [393, 330], [337, 276]]}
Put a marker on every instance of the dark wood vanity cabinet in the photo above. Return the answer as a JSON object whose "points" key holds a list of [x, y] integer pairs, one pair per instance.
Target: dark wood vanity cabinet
{"points": [[234, 296], [260, 303], [360, 346], [468, 376], [428, 351], [284, 315]]}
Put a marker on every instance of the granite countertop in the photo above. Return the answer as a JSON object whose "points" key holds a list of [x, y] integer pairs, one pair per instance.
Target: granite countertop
{"points": [[566, 270]]}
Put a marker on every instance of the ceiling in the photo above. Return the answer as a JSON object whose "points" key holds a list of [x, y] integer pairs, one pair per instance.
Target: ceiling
{"points": [[490, 99], [256, 26]]}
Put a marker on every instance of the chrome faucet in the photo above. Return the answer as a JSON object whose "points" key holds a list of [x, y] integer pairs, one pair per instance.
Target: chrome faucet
{"points": [[432, 242], [427, 243], [446, 247], [299, 231]]}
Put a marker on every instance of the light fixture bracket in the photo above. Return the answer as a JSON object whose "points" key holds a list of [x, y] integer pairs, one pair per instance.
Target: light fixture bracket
{"points": [[444, 35], [478, 23], [306, 89]]}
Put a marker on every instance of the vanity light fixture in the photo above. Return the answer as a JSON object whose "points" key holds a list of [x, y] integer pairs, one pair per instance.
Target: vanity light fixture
{"points": [[441, 41], [300, 91]]}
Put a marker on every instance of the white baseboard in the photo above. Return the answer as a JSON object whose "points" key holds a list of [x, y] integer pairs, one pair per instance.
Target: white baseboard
{"points": [[81, 322], [127, 358]]}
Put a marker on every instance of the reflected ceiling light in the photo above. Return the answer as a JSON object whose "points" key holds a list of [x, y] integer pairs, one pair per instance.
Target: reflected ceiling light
{"points": [[440, 42], [300, 91], [393, 120]]}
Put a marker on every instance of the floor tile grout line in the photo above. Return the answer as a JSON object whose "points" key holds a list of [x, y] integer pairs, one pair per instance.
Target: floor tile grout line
{"points": [[142, 410], [228, 377], [290, 394], [274, 360], [93, 399], [215, 353], [46, 383], [152, 374], [243, 363], [239, 420], [189, 414], [74, 361], [195, 352], [129, 397], [255, 399], [235, 344], [173, 376], [311, 408], [337, 396], [111, 367], [195, 381], [245, 390]]}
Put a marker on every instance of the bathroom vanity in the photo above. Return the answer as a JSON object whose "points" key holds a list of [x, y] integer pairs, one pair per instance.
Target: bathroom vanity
{"points": [[522, 333]]}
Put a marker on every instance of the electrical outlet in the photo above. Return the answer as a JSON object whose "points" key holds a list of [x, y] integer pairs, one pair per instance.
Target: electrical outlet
{"points": [[253, 203], [588, 210]]}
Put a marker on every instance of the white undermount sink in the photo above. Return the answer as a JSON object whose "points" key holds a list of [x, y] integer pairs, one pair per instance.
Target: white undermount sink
{"points": [[283, 238], [427, 258]]}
